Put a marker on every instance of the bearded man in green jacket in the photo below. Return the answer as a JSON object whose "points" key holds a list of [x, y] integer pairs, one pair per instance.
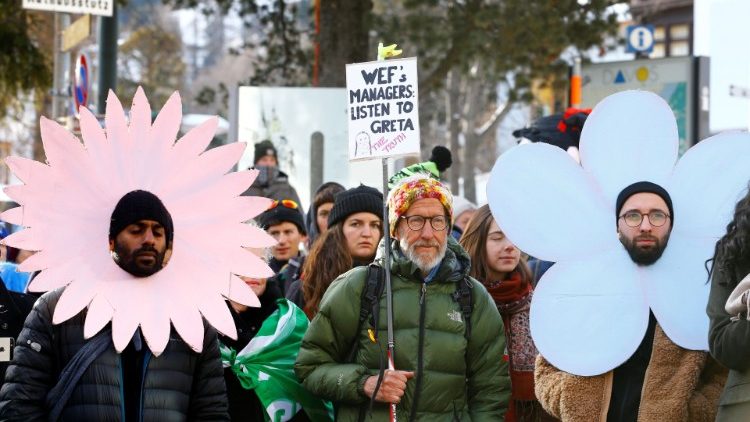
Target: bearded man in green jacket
{"points": [[448, 359]]}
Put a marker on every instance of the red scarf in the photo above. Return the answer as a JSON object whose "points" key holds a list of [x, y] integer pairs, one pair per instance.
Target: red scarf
{"points": [[513, 298]]}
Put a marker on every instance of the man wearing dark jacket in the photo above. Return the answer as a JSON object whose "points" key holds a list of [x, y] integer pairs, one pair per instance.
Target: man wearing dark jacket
{"points": [[55, 371], [271, 181], [448, 361]]}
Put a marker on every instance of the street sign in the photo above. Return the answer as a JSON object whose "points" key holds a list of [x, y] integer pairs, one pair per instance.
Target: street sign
{"points": [[80, 7], [76, 32], [81, 82], [640, 39]]}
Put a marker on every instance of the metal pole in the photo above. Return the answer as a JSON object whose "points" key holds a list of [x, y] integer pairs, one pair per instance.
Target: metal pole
{"points": [[107, 74], [387, 272], [61, 68], [317, 156], [576, 84]]}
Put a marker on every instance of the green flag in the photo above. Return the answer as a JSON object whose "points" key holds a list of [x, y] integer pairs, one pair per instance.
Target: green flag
{"points": [[266, 365]]}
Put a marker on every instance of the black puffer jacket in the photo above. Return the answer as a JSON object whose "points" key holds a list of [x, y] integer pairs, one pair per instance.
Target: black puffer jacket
{"points": [[178, 385]]}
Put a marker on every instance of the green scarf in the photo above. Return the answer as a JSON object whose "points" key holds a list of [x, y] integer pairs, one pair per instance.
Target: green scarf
{"points": [[266, 365]]}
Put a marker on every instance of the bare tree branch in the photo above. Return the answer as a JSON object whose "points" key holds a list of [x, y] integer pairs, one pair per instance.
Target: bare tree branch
{"points": [[495, 119]]}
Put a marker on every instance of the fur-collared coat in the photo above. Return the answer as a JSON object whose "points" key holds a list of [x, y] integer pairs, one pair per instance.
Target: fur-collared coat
{"points": [[680, 386]]}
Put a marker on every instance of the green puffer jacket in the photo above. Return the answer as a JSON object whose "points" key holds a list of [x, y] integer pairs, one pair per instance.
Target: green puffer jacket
{"points": [[457, 381]]}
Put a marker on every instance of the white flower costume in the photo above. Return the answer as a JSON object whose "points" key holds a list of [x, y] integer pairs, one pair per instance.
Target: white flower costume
{"points": [[67, 203], [590, 310]]}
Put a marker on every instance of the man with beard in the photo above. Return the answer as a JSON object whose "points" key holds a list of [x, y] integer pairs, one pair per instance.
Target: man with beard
{"points": [[56, 374], [637, 389], [448, 356]]}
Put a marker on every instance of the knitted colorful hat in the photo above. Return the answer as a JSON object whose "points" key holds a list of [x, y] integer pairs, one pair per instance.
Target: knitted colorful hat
{"points": [[413, 188]]}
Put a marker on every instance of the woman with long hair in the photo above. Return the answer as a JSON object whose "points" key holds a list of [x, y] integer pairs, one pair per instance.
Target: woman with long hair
{"points": [[355, 226], [729, 333], [501, 267]]}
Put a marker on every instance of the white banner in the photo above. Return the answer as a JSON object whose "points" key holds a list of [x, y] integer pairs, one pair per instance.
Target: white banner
{"points": [[82, 7], [383, 109]]}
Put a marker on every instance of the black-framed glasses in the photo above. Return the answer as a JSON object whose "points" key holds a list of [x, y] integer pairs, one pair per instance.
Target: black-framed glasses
{"points": [[416, 222], [635, 218]]}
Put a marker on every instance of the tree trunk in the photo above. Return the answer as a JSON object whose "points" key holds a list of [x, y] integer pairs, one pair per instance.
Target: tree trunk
{"points": [[344, 38], [453, 115], [473, 108]]}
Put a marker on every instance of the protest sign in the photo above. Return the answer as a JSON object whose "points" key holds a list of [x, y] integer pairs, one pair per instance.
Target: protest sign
{"points": [[383, 109]]}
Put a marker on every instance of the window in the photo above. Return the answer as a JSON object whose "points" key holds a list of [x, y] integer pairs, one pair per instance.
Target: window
{"points": [[679, 32], [679, 48], [659, 51]]}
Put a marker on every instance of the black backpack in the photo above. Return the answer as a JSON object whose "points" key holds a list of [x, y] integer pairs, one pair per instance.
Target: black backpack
{"points": [[373, 290]]}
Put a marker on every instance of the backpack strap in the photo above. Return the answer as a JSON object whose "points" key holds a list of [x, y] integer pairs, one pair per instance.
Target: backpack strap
{"points": [[465, 301], [369, 303]]}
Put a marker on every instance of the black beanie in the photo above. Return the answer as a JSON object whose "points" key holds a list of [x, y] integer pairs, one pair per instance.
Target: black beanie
{"points": [[140, 205], [360, 199], [280, 214], [642, 187], [264, 148]]}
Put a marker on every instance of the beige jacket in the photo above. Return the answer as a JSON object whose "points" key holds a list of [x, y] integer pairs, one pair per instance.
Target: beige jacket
{"points": [[680, 386]]}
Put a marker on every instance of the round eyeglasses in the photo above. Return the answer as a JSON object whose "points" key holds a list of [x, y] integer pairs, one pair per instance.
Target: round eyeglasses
{"points": [[416, 222], [635, 218]]}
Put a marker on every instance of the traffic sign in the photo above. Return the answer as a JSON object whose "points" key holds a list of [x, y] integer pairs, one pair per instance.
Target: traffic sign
{"points": [[99, 7], [640, 39], [76, 32], [81, 82]]}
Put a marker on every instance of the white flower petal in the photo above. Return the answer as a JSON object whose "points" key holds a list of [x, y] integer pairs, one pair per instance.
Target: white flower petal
{"points": [[630, 136], [187, 321], [677, 290], [707, 183], [98, 316], [75, 298], [588, 317], [546, 205], [124, 324], [167, 123], [216, 312], [240, 292], [155, 327]]}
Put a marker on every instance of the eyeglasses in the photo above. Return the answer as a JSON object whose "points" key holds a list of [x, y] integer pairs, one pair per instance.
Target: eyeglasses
{"points": [[416, 222], [635, 218], [286, 203]]}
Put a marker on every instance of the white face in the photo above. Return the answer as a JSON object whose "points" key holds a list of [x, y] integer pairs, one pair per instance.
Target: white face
{"points": [[425, 247], [645, 243], [288, 237], [502, 255], [321, 216], [463, 219], [362, 231]]}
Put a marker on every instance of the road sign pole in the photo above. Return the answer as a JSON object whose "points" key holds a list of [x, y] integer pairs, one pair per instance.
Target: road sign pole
{"points": [[61, 67], [107, 73]]}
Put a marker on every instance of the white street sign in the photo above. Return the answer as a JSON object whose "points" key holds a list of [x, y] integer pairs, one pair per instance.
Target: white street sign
{"points": [[93, 7]]}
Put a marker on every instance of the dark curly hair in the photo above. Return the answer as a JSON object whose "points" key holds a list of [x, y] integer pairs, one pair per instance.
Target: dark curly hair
{"points": [[732, 253]]}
